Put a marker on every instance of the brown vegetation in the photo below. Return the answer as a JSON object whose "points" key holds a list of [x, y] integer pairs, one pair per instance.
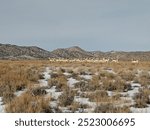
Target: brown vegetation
{"points": [[117, 78], [27, 103], [109, 108]]}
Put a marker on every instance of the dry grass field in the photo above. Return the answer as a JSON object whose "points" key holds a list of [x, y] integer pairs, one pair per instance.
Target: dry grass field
{"points": [[41, 86]]}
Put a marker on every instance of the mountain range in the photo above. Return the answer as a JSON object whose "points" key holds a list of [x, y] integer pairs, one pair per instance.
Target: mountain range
{"points": [[8, 51]]}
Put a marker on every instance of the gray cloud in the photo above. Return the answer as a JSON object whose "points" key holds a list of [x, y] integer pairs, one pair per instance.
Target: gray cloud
{"points": [[92, 24]]}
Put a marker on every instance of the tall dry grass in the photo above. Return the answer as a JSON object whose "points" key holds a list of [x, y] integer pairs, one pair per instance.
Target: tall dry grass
{"points": [[18, 75], [27, 103]]}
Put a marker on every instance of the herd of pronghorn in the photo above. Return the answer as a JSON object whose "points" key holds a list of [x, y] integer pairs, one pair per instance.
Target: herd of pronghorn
{"points": [[104, 60]]}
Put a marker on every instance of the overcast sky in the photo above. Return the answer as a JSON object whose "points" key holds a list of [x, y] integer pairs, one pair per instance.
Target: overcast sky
{"points": [[91, 24]]}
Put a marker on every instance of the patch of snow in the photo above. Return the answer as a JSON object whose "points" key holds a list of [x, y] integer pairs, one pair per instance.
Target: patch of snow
{"points": [[135, 85], [71, 82], [140, 110], [47, 73], [110, 93], [52, 92], [80, 110], [44, 82], [1, 106], [19, 93], [56, 95], [84, 101], [53, 104], [133, 92], [67, 74], [88, 77], [130, 93], [65, 110]]}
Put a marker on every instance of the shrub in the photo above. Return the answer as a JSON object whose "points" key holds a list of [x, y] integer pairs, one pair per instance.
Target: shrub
{"points": [[127, 75], [94, 84], [41, 76], [26, 103], [82, 85], [33, 74], [109, 108], [60, 82], [99, 96], [74, 106], [54, 75], [142, 99], [66, 98], [38, 92], [114, 85], [144, 79], [62, 70], [83, 73], [8, 97]]}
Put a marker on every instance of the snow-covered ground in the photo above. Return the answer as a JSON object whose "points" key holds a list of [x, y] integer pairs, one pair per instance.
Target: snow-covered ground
{"points": [[65, 110], [53, 92], [134, 85], [47, 73], [135, 89], [53, 104], [88, 77], [44, 82], [1, 106], [126, 98], [19, 93], [84, 101], [71, 82], [130, 93], [140, 110]]}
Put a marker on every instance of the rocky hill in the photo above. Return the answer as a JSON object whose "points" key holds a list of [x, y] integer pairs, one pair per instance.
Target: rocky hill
{"points": [[8, 51], [72, 52], [76, 52], [124, 56]]}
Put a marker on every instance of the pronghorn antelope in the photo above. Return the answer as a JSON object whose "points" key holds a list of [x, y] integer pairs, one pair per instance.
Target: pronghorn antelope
{"points": [[79, 60], [134, 61], [104, 60], [115, 61]]}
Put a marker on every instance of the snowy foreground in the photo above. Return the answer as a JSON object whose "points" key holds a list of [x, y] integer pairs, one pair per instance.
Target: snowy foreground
{"points": [[127, 97]]}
